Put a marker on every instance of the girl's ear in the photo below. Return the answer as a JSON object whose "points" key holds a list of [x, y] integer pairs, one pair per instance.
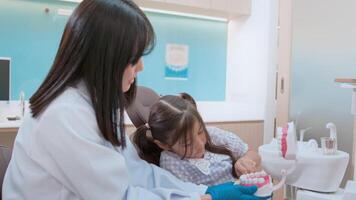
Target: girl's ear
{"points": [[161, 145]]}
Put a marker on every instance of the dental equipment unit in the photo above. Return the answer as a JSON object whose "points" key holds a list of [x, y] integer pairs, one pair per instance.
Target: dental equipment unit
{"points": [[302, 163]]}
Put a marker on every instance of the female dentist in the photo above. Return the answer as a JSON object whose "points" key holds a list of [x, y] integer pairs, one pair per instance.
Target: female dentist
{"points": [[72, 145]]}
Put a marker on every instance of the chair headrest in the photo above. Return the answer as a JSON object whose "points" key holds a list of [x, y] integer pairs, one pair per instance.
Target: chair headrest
{"points": [[139, 110]]}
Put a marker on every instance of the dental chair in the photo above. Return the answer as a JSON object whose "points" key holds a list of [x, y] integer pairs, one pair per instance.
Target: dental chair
{"points": [[5, 154], [139, 110]]}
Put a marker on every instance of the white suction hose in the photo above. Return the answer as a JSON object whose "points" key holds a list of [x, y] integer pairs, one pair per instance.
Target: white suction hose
{"points": [[333, 133], [332, 127]]}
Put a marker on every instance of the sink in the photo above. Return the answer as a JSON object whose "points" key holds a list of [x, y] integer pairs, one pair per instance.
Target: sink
{"points": [[312, 170]]}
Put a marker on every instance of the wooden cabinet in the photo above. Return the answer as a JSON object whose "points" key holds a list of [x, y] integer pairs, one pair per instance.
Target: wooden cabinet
{"points": [[227, 9], [192, 3], [221, 5]]}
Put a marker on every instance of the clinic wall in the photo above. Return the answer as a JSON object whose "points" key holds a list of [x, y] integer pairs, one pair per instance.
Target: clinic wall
{"points": [[31, 37], [251, 53], [324, 47]]}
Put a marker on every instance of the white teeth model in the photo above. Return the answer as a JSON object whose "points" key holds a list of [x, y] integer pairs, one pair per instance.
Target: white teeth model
{"points": [[263, 181]]}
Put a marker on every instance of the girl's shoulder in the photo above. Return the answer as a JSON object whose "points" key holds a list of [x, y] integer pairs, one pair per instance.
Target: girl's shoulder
{"points": [[212, 130], [216, 133], [167, 155]]}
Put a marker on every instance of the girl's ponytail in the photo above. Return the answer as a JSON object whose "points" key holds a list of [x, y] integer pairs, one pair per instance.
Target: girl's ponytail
{"points": [[146, 148]]}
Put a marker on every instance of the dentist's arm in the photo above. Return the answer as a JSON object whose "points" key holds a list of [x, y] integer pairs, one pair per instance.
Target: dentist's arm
{"points": [[154, 176], [70, 149]]}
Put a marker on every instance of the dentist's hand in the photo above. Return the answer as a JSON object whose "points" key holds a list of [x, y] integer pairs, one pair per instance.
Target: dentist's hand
{"points": [[230, 191], [245, 165]]}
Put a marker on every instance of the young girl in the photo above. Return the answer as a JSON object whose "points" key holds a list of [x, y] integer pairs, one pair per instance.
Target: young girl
{"points": [[176, 139]]}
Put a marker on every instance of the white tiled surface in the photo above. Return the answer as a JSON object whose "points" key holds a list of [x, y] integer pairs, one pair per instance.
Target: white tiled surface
{"points": [[10, 109]]}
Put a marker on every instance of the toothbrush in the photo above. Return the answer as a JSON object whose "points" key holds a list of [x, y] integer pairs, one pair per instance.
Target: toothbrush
{"points": [[332, 128], [22, 103]]}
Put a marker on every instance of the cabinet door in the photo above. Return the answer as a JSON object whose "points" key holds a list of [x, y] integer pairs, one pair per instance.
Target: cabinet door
{"points": [[353, 161], [221, 5], [284, 69], [239, 6], [284, 61], [193, 3]]}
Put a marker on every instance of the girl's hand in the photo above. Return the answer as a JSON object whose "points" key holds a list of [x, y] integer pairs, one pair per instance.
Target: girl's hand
{"points": [[245, 165]]}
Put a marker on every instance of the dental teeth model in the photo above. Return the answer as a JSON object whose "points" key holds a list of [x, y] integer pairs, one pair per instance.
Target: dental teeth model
{"points": [[262, 180], [287, 142]]}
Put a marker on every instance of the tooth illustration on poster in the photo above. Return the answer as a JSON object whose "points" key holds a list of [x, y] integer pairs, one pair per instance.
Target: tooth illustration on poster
{"points": [[177, 56]]}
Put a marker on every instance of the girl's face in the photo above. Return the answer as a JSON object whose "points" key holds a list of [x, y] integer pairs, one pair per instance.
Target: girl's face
{"points": [[195, 148], [130, 74]]}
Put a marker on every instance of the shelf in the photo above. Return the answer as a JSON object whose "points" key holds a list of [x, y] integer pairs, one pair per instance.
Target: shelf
{"points": [[222, 10], [348, 85], [345, 80]]}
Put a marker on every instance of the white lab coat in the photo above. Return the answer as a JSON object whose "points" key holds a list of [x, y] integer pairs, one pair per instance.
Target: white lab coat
{"points": [[61, 156]]}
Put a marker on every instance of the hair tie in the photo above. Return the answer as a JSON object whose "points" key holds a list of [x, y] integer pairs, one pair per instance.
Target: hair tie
{"points": [[148, 132], [147, 126], [149, 135]]}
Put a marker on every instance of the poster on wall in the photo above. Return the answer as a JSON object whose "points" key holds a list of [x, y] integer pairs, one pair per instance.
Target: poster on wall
{"points": [[177, 57]]}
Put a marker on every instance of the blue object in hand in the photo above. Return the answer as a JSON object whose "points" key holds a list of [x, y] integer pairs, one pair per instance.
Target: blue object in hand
{"points": [[231, 191]]}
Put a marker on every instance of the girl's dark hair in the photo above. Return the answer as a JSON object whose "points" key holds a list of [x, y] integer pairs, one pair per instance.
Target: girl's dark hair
{"points": [[188, 98], [100, 39], [172, 120]]}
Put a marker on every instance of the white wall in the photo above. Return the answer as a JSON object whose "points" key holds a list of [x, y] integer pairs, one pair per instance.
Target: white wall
{"points": [[251, 52]]}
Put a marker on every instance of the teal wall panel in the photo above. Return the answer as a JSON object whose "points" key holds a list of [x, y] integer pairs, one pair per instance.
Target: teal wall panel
{"points": [[30, 37]]}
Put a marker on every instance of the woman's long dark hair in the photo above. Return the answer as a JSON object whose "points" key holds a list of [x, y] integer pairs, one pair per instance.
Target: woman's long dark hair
{"points": [[172, 120], [101, 39]]}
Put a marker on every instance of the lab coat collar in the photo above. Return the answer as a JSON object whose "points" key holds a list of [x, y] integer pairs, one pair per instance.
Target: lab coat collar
{"points": [[83, 90]]}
